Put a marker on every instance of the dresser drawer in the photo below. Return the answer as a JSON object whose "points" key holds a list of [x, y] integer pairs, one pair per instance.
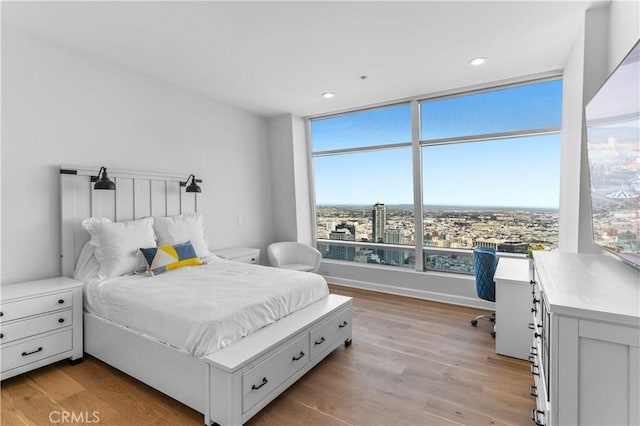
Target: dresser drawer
{"points": [[36, 305], [328, 332], [271, 373], [36, 325], [34, 350]]}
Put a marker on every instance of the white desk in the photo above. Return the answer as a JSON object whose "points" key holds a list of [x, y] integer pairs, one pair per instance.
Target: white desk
{"points": [[513, 307]]}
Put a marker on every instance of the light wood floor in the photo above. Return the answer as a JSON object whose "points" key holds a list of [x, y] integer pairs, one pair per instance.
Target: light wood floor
{"points": [[412, 362]]}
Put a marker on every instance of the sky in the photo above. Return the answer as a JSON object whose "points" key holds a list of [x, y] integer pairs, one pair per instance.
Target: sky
{"points": [[516, 172]]}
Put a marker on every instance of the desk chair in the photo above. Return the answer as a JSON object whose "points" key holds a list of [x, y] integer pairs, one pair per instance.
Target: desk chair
{"points": [[294, 255], [485, 261]]}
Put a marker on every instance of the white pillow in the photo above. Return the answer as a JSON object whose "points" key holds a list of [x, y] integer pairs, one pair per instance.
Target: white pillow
{"points": [[87, 266], [180, 229], [117, 243]]}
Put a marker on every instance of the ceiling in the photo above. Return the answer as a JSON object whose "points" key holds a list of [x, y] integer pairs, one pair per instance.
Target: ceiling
{"points": [[279, 57]]}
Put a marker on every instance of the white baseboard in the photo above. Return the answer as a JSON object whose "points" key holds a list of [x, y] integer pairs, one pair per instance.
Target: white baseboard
{"points": [[412, 292]]}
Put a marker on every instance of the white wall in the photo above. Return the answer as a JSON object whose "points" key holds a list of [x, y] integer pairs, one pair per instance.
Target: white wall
{"points": [[585, 66], [63, 107], [282, 178], [624, 30], [290, 179]]}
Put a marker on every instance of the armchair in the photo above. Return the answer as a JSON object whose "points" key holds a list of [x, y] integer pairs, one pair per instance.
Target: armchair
{"points": [[294, 255]]}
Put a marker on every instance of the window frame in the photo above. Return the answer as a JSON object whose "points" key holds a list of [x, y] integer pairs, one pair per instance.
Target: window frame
{"points": [[416, 145]]}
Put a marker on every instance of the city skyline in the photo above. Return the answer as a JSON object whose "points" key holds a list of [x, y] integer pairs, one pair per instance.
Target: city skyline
{"points": [[505, 229]]}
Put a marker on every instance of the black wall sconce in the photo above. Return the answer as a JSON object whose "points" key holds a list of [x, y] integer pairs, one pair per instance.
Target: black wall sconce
{"points": [[193, 186], [103, 181]]}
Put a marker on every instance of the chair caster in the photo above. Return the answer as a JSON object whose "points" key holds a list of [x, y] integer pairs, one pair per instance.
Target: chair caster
{"points": [[493, 334], [347, 343], [474, 322]]}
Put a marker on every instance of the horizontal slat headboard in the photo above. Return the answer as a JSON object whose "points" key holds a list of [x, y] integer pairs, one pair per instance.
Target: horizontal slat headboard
{"points": [[137, 195]]}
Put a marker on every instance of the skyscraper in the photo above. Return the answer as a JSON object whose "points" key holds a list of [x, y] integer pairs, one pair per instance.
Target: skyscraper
{"points": [[379, 221]]}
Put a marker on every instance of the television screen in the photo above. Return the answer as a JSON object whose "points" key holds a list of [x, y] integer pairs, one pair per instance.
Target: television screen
{"points": [[613, 147]]}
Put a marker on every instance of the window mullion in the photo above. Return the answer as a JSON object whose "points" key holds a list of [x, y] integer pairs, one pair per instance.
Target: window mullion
{"points": [[417, 184]]}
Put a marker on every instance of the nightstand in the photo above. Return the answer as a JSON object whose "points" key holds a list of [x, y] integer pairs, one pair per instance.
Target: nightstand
{"points": [[40, 323], [243, 255]]}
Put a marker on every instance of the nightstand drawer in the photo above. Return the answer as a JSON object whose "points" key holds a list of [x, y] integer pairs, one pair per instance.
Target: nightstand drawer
{"points": [[247, 259], [36, 325], [36, 305], [36, 349]]}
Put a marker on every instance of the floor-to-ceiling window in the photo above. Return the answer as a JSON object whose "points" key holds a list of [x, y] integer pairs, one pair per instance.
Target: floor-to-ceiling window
{"points": [[475, 169], [364, 186]]}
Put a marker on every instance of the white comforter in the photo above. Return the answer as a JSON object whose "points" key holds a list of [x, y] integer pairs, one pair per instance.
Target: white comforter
{"points": [[200, 309]]}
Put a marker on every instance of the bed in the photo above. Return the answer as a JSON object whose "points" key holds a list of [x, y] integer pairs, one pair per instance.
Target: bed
{"points": [[226, 371]]}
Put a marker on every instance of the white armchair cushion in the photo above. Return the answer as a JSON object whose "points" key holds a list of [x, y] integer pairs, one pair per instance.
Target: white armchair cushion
{"points": [[294, 255]]}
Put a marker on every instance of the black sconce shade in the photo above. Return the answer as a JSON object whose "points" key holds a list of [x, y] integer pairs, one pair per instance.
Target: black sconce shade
{"points": [[103, 181], [193, 186]]}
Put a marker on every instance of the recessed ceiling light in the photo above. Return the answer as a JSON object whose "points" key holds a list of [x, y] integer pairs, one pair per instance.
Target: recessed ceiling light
{"points": [[477, 61], [328, 95]]}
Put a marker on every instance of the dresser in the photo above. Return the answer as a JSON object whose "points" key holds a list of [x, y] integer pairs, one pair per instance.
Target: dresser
{"points": [[585, 351], [40, 323], [240, 254]]}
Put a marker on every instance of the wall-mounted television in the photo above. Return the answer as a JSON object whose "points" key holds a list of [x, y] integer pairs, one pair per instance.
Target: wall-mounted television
{"points": [[613, 148]]}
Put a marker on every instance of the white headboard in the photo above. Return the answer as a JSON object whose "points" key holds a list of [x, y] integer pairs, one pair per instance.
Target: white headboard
{"points": [[137, 195]]}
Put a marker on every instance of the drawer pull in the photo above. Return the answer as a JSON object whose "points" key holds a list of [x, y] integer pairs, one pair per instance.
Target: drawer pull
{"points": [[535, 300], [1, 335], [61, 301], [532, 282], [532, 358], [537, 335], [535, 418], [534, 350], [61, 320], [343, 325], [534, 310], [533, 390], [264, 382], [32, 352], [321, 341], [1, 314], [534, 370], [300, 356]]}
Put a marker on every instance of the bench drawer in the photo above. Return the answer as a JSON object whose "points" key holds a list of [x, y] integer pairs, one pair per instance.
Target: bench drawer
{"points": [[323, 336], [271, 373]]}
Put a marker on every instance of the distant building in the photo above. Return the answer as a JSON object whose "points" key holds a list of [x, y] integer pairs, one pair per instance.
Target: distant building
{"points": [[344, 225], [487, 243], [513, 247], [394, 236], [379, 222], [341, 252]]}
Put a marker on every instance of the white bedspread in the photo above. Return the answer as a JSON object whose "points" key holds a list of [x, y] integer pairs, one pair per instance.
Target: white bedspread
{"points": [[200, 309]]}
